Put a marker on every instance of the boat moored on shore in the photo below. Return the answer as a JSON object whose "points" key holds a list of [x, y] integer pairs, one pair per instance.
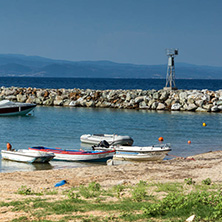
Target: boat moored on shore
{"points": [[137, 153], [27, 156], [77, 155]]}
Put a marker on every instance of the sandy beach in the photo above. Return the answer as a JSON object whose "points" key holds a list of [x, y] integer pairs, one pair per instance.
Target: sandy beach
{"points": [[199, 167]]}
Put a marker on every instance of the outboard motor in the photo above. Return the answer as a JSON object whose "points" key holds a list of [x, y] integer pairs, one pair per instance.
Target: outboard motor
{"points": [[104, 143]]}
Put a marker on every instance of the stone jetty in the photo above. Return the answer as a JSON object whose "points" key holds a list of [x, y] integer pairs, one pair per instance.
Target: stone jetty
{"points": [[169, 100]]}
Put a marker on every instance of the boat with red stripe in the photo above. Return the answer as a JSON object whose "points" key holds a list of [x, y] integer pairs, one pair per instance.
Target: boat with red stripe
{"points": [[76, 155]]}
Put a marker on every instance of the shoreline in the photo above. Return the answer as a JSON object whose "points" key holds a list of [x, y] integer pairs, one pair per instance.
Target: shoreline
{"points": [[198, 167], [164, 99]]}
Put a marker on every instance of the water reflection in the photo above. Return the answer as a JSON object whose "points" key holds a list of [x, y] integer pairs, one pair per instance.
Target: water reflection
{"points": [[12, 166]]}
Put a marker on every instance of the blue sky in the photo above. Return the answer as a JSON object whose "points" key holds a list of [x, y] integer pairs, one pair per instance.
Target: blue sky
{"points": [[124, 31]]}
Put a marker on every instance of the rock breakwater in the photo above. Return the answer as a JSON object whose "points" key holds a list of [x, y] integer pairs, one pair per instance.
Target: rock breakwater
{"points": [[171, 100]]}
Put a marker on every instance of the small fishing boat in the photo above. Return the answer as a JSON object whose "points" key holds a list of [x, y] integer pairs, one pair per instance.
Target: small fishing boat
{"points": [[9, 108], [77, 155], [137, 153], [27, 156], [112, 139]]}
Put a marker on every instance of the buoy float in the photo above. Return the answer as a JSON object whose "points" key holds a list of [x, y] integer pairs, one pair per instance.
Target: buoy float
{"points": [[160, 138], [189, 142], [204, 124]]}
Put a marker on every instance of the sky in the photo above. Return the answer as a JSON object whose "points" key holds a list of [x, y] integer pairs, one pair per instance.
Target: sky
{"points": [[123, 31]]}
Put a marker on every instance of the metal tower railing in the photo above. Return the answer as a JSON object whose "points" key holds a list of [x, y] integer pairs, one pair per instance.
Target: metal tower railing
{"points": [[170, 79]]}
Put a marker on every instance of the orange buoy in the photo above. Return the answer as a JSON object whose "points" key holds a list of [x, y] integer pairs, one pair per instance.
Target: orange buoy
{"points": [[9, 146], [204, 124], [160, 138], [189, 142]]}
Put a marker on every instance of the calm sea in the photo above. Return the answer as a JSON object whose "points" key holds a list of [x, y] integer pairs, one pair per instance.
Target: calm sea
{"points": [[96, 83], [63, 126]]}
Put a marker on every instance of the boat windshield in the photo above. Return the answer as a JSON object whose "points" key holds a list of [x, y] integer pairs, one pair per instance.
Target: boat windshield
{"points": [[6, 102]]}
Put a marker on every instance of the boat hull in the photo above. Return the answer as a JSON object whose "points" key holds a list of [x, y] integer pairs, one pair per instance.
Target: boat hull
{"points": [[75, 155], [17, 110], [94, 158], [27, 156], [139, 149], [149, 156], [136, 153], [95, 139]]}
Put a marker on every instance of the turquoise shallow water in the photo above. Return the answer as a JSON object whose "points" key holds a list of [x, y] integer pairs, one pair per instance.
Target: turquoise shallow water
{"points": [[62, 127]]}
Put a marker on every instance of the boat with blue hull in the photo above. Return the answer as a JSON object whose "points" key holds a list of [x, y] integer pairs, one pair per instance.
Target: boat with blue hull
{"points": [[77, 155]]}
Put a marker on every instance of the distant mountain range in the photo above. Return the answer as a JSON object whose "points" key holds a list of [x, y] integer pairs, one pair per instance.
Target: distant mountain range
{"points": [[35, 66]]}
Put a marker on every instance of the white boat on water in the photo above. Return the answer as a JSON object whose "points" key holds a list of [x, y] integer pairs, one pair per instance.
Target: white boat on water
{"points": [[137, 153], [9, 108], [28, 156], [112, 139]]}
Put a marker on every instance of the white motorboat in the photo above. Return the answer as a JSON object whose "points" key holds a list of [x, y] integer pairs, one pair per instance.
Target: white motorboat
{"points": [[9, 108], [137, 153], [28, 156], [112, 139]]}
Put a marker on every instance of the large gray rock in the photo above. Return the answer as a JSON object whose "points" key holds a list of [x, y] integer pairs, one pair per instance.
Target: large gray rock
{"points": [[154, 105], [168, 102], [90, 104], [105, 105], [164, 95], [48, 102], [183, 96], [142, 105], [37, 101], [146, 99], [139, 99], [200, 109], [219, 103], [156, 96], [11, 97], [9, 91], [128, 97], [73, 103], [150, 102], [58, 102], [66, 102], [161, 106], [176, 107], [39, 93], [199, 103], [21, 98], [207, 107], [31, 99], [214, 109], [190, 107]]}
